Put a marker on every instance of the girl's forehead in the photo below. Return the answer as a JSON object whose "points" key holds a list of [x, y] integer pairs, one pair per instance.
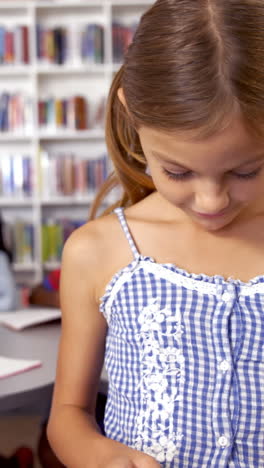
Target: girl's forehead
{"points": [[234, 143]]}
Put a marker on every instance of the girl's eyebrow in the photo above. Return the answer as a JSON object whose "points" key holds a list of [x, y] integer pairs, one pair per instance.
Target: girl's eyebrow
{"points": [[166, 159]]}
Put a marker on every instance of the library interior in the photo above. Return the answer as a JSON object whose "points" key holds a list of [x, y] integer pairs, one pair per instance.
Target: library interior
{"points": [[57, 61]]}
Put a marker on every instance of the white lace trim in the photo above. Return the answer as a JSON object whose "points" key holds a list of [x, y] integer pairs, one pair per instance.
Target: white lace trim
{"points": [[245, 289], [200, 285], [177, 278], [251, 290], [125, 277], [161, 373]]}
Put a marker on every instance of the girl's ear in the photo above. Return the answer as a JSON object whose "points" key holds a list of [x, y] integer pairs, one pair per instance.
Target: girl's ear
{"points": [[121, 97]]}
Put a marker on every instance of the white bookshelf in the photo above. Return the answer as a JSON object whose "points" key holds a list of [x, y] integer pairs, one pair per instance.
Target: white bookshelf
{"points": [[40, 80]]}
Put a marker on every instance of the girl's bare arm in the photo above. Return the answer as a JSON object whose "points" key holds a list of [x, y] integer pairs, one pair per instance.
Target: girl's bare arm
{"points": [[72, 429]]}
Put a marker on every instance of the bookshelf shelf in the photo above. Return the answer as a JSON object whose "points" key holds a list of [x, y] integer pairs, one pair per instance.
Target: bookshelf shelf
{"points": [[51, 265], [47, 4], [13, 70], [23, 267], [71, 69], [15, 202], [72, 135], [16, 137], [68, 201], [53, 66], [13, 5]]}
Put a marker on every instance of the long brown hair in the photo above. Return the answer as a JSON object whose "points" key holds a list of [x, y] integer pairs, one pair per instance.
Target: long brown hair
{"points": [[193, 65]]}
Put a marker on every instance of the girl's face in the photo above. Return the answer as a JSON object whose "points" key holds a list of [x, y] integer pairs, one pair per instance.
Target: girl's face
{"points": [[214, 181]]}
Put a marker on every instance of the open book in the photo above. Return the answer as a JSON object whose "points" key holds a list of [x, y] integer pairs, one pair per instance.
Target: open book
{"points": [[10, 366], [19, 319]]}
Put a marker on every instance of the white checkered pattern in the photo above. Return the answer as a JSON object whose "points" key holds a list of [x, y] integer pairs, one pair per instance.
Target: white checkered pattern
{"points": [[185, 357]]}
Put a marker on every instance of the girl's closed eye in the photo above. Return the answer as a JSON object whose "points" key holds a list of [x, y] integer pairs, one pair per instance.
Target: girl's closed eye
{"points": [[180, 175], [247, 175], [184, 175]]}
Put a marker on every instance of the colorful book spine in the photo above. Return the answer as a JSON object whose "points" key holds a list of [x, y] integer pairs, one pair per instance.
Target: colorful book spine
{"points": [[71, 175], [122, 36], [14, 45], [23, 242], [71, 113], [16, 113], [52, 44], [54, 235], [16, 176], [2, 44], [25, 44]]}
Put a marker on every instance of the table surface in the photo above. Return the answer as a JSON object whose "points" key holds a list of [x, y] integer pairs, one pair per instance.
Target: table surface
{"points": [[39, 342]]}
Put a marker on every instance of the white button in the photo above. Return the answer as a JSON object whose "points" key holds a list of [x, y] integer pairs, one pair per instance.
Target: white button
{"points": [[224, 365], [227, 296], [223, 441]]}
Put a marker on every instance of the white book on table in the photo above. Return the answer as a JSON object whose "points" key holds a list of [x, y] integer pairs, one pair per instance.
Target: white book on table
{"points": [[11, 366], [24, 318]]}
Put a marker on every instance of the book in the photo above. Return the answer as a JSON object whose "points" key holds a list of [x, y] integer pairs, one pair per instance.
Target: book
{"points": [[23, 242], [54, 235], [10, 366], [24, 318], [25, 44], [80, 113]]}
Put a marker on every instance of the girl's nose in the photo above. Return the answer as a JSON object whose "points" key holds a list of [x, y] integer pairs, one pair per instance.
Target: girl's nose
{"points": [[211, 199]]}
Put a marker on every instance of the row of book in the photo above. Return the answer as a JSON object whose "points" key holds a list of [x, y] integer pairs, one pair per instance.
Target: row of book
{"points": [[61, 175], [14, 45], [70, 174], [52, 44], [19, 236], [16, 112], [69, 113], [16, 175], [54, 236], [56, 45], [122, 36]]}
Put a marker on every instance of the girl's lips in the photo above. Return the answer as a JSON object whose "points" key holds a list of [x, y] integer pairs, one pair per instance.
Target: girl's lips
{"points": [[213, 215]]}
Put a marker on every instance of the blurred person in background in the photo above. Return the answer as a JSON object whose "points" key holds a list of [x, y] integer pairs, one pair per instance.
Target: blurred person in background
{"points": [[23, 456], [8, 291]]}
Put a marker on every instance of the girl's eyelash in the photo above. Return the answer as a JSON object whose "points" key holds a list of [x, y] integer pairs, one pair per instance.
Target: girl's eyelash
{"points": [[249, 175], [177, 176], [187, 174]]}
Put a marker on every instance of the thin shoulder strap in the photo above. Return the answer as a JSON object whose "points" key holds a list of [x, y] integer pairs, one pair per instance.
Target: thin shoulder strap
{"points": [[121, 216]]}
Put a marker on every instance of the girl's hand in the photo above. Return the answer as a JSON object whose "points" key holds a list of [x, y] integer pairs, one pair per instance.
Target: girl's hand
{"points": [[139, 460]]}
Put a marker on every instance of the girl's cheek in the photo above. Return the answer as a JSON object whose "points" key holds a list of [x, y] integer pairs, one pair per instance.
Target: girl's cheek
{"points": [[175, 194], [245, 194]]}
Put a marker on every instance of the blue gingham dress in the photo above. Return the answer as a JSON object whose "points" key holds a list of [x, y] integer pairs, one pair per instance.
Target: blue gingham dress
{"points": [[185, 359]]}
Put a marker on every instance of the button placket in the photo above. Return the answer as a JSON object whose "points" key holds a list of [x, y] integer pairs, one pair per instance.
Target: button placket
{"points": [[220, 409]]}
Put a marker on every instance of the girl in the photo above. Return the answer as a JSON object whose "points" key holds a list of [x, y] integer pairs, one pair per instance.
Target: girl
{"points": [[170, 286]]}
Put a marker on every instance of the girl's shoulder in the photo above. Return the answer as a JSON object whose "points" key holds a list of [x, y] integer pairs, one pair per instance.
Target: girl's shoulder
{"points": [[95, 236], [97, 249]]}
